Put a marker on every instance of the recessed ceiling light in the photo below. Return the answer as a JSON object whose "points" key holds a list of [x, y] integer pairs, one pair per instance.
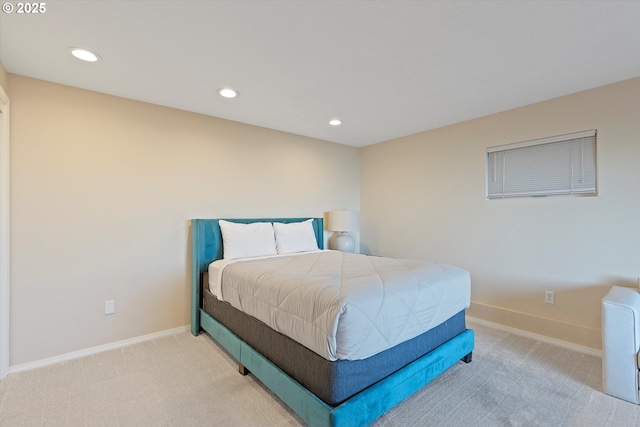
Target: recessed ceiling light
{"points": [[83, 54], [335, 122], [228, 93]]}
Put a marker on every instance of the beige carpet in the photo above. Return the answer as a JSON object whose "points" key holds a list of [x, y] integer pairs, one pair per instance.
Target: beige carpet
{"points": [[185, 381]]}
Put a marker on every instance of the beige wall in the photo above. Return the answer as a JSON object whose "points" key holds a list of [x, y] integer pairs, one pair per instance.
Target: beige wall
{"points": [[423, 196], [102, 189]]}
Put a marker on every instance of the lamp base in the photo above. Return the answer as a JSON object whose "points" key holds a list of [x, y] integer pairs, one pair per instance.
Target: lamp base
{"points": [[344, 242]]}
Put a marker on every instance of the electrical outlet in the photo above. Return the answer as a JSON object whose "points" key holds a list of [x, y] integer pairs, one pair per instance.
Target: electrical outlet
{"points": [[549, 297], [109, 307]]}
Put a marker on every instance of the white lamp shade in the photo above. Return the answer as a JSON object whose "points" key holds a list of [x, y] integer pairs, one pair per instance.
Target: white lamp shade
{"points": [[343, 221]]}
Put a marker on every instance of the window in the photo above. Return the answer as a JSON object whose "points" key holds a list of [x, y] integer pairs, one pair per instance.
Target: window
{"points": [[564, 164]]}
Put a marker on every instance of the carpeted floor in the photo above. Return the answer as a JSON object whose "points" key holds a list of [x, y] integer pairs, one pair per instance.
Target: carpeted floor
{"points": [[185, 381]]}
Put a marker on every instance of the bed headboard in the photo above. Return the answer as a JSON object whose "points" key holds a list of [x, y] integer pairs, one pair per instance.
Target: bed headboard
{"points": [[206, 247]]}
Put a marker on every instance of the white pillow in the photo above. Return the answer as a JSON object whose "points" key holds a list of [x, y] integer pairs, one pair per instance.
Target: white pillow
{"points": [[295, 237], [247, 240]]}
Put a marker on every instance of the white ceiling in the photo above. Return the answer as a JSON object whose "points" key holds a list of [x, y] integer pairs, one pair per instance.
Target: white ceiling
{"points": [[386, 68]]}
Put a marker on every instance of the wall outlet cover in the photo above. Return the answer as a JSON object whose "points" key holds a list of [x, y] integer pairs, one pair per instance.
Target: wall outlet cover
{"points": [[109, 307]]}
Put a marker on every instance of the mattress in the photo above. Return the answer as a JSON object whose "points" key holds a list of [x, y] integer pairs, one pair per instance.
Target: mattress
{"points": [[345, 306], [336, 381]]}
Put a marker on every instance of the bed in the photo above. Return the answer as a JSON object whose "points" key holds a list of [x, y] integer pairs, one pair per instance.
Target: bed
{"points": [[323, 392]]}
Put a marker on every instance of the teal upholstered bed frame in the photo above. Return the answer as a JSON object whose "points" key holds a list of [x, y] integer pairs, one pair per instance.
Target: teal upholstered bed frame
{"points": [[361, 409]]}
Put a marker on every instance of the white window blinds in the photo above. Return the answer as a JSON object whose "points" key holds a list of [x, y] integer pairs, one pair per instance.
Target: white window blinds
{"points": [[564, 164]]}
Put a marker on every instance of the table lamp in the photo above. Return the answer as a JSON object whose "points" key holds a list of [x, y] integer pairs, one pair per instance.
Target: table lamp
{"points": [[344, 222]]}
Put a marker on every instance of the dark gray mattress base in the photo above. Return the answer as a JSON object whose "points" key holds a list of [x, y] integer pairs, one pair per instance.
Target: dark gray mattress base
{"points": [[332, 382]]}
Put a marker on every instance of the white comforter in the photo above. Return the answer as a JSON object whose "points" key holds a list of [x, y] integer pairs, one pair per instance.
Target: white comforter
{"points": [[341, 305]]}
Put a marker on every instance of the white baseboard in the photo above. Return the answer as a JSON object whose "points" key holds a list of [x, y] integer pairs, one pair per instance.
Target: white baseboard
{"points": [[156, 335], [537, 337], [98, 349]]}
